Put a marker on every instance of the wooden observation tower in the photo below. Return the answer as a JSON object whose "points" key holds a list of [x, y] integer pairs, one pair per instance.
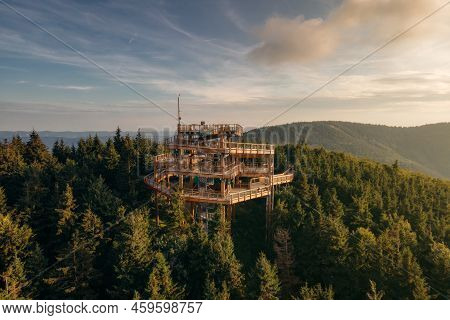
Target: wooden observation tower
{"points": [[210, 166]]}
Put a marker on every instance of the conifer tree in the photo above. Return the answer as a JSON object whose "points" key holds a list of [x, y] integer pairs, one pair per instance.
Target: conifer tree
{"points": [[223, 264], [160, 284], [285, 261], [13, 281], [316, 292], [213, 293], [3, 208], [440, 271], [267, 282], [101, 200], [15, 251], [134, 255], [35, 151], [177, 213], [373, 293], [66, 214], [110, 156], [75, 276], [333, 207]]}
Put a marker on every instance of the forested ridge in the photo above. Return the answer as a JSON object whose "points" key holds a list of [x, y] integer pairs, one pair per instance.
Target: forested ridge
{"points": [[77, 222], [424, 148]]}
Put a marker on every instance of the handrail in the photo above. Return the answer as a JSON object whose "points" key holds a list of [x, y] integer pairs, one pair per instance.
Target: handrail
{"points": [[238, 147], [214, 128]]}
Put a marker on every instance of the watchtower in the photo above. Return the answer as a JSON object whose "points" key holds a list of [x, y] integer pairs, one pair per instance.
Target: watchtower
{"points": [[211, 166]]}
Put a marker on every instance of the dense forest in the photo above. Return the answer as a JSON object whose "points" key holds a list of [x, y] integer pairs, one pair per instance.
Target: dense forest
{"points": [[77, 222], [424, 148]]}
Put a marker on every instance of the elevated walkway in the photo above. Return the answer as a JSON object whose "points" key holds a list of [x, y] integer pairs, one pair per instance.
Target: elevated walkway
{"points": [[261, 188]]}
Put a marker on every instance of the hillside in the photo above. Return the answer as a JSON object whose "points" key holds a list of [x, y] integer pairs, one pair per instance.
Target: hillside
{"points": [[425, 148]]}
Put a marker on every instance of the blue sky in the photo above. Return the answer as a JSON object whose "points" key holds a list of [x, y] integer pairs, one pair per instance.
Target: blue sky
{"points": [[231, 61]]}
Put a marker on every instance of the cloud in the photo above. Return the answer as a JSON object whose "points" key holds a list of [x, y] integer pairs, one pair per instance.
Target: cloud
{"points": [[69, 87], [365, 21]]}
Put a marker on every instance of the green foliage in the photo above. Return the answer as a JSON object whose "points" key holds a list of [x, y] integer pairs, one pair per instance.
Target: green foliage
{"points": [[75, 276], [66, 214], [285, 260], [177, 213], [267, 282], [223, 264], [374, 294], [18, 258], [36, 151], [364, 229], [316, 292], [3, 205], [160, 285], [134, 254], [353, 221], [213, 293]]}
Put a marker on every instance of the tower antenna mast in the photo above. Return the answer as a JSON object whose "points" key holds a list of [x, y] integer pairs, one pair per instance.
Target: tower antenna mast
{"points": [[179, 115]]}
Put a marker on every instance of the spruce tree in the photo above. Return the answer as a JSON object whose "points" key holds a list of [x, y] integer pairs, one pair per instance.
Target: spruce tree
{"points": [[213, 293], [66, 216], [16, 254], [285, 260], [373, 293], [75, 276], [13, 280], [316, 292], [134, 255], [267, 282], [177, 213], [223, 264], [36, 151], [160, 284], [3, 207]]}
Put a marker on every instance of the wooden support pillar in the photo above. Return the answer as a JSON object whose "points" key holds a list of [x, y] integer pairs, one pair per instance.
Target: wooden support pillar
{"points": [[268, 217], [228, 212], [181, 182], [192, 210], [157, 208], [223, 211]]}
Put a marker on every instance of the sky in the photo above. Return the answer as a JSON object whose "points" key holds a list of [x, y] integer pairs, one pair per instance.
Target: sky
{"points": [[96, 65]]}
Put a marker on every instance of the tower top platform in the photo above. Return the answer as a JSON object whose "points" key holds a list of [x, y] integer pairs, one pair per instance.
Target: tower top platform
{"points": [[211, 129]]}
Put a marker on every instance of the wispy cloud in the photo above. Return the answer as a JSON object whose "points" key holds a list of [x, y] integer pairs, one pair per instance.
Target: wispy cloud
{"points": [[67, 87]]}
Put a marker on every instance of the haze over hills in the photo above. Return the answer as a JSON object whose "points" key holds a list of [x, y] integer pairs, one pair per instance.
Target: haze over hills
{"points": [[72, 137], [425, 148]]}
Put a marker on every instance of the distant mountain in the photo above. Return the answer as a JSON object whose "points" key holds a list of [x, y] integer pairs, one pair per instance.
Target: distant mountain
{"points": [[424, 148], [72, 137]]}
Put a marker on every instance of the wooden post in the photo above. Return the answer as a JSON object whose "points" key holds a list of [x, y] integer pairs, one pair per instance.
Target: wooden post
{"points": [[268, 217], [192, 209], [157, 208], [228, 212]]}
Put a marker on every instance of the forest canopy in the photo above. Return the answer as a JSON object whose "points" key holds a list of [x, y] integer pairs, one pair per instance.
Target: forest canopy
{"points": [[76, 222]]}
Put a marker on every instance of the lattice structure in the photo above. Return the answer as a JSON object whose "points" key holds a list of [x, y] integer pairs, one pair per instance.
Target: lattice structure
{"points": [[210, 166]]}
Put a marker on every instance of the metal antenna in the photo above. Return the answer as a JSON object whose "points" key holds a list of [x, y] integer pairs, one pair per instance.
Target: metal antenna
{"points": [[179, 116]]}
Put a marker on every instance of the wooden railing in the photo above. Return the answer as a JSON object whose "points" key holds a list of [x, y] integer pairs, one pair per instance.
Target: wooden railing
{"points": [[227, 146], [257, 187], [212, 128]]}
